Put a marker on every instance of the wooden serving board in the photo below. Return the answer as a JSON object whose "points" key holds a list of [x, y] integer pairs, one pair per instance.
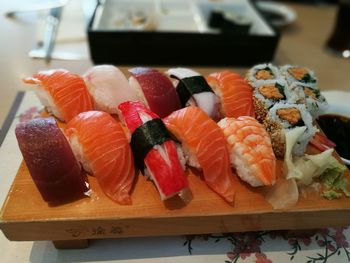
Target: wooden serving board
{"points": [[25, 216]]}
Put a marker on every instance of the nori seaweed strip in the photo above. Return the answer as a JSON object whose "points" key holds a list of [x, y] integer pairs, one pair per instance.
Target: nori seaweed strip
{"points": [[307, 78], [300, 123], [191, 85], [146, 136], [281, 90]]}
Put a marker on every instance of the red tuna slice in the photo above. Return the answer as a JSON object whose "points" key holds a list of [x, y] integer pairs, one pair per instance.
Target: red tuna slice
{"points": [[50, 160], [158, 91], [162, 160]]}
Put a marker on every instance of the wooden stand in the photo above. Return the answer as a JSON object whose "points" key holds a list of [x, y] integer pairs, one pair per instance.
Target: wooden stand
{"points": [[71, 244], [25, 216]]}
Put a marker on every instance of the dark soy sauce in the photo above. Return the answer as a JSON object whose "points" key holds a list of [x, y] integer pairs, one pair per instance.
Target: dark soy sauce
{"points": [[337, 129]]}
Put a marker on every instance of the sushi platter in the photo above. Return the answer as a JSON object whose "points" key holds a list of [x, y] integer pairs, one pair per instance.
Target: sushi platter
{"points": [[211, 198], [26, 216]]}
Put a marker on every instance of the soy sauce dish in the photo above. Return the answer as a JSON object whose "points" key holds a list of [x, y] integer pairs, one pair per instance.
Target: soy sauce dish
{"points": [[335, 122]]}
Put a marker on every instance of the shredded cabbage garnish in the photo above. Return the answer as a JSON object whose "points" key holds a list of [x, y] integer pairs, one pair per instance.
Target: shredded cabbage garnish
{"points": [[306, 168]]}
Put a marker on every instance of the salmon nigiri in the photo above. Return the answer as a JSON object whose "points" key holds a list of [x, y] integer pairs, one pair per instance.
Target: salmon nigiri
{"points": [[100, 144], [251, 150], [64, 94], [235, 93], [206, 145]]}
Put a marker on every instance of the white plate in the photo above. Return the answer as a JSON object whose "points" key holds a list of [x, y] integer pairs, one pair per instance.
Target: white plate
{"points": [[288, 15], [338, 104]]}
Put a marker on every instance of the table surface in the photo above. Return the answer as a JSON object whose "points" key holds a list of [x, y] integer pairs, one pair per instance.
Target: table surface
{"points": [[301, 43]]}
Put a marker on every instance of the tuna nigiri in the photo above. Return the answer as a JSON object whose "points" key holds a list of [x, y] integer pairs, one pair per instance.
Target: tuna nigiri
{"points": [[63, 94], [155, 90], [194, 90], [100, 144], [154, 150], [108, 87], [235, 94], [50, 160], [251, 151], [205, 144]]}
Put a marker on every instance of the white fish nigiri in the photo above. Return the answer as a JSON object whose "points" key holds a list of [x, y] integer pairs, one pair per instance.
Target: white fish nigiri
{"points": [[108, 87], [194, 90]]}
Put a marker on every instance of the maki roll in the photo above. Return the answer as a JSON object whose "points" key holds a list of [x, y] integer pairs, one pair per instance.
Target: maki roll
{"points": [[310, 96], [261, 73], [298, 74], [315, 102], [283, 117], [193, 90], [266, 95]]}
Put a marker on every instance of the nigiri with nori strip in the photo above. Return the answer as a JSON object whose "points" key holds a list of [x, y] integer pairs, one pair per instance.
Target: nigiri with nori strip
{"points": [[206, 147], [155, 153], [108, 87], [194, 90], [100, 144], [50, 160], [64, 94], [250, 149], [234, 92], [155, 90]]}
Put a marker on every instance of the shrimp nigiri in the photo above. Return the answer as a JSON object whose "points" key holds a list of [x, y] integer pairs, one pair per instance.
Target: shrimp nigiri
{"points": [[100, 144], [64, 94], [251, 150], [205, 144]]}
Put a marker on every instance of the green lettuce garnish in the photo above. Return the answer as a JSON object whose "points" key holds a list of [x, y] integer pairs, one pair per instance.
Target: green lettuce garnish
{"points": [[330, 194]]}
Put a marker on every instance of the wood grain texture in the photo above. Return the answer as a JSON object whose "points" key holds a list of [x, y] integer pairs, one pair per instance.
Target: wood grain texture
{"points": [[25, 216]]}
